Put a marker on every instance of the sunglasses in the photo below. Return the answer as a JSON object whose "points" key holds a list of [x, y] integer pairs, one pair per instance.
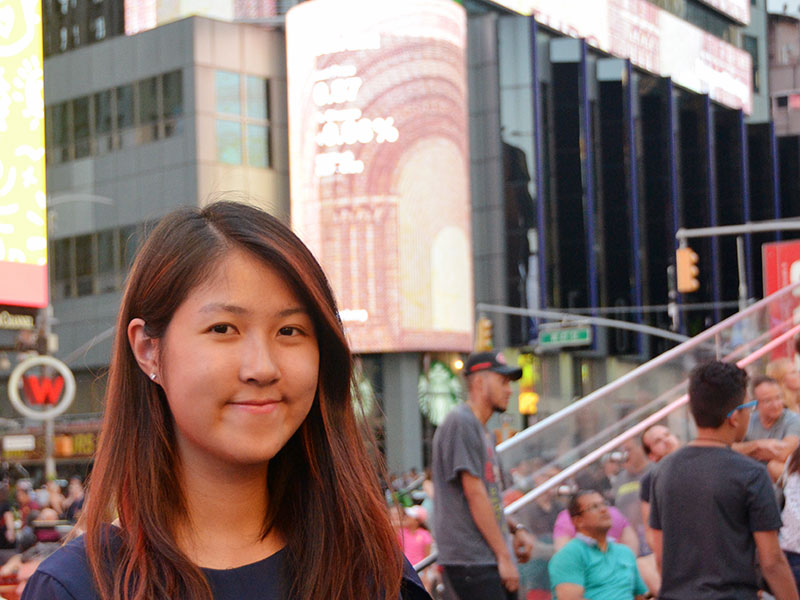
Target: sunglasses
{"points": [[751, 404]]}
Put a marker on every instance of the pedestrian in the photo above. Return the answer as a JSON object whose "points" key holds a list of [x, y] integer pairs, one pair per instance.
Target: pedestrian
{"points": [[774, 431], [711, 508], [789, 535], [230, 464], [476, 542], [786, 374], [591, 565]]}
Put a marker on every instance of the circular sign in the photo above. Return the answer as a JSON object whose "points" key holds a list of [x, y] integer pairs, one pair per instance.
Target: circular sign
{"points": [[67, 396]]}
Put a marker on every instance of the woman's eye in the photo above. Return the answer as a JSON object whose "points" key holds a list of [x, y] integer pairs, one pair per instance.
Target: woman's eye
{"points": [[221, 328], [289, 331]]}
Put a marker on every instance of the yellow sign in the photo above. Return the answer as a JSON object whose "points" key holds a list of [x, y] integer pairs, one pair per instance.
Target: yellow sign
{"points": [[23, 232]]}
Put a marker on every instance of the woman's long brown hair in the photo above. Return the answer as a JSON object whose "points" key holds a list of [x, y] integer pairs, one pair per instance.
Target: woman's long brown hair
{"points": [[324, 495]]}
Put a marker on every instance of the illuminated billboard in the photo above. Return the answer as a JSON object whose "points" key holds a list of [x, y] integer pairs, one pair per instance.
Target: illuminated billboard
{"points": [[379, 173], [23, 231], [654, 40]]}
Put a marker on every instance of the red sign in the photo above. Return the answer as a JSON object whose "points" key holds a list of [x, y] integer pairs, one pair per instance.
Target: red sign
{"points": [[781, 268], [42, 390]]}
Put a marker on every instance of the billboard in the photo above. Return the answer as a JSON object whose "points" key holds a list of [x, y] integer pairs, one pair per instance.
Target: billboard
{"points": [[23, 231], [654, 40], [781, 262], [379, 175]]}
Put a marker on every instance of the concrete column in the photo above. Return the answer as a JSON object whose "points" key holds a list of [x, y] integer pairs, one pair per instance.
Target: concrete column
{"points": [[401, 407]]}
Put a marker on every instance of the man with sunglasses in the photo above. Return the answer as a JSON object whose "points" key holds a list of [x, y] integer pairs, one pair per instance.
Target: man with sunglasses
{"points": [[712, 509], [774, 431], [591, 565]]}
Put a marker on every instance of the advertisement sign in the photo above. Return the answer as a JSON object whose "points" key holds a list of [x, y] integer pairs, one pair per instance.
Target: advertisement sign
{"points": [[23, 231], [781, 261], [47, 386], [654, 40], [378, 152]]}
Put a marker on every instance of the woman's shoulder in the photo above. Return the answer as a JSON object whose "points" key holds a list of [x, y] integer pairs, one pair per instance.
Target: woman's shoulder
{"points": [[64, 575]]}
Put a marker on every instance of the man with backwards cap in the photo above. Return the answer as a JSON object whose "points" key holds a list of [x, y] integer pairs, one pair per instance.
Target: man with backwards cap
{"points": [[476, 542]]}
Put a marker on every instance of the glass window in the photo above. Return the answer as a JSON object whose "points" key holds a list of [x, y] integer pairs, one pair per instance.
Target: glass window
{"points": [[61, 124], [782, 101], [173, 94], [228, 93], [102, 112], [81, 119], [99, 28], [105, 251], [258, 146], [125, 106], [128, 242], [62, 253], [106, 265], [257, 98], [84, 265], [148, 100], [229, 142]]}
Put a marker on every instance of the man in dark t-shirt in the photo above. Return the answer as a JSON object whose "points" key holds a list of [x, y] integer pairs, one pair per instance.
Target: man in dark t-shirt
{"points": [[712, 509]]}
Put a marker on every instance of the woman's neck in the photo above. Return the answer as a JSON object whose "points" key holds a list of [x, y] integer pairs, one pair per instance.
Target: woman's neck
{"points": [[226, 509]]}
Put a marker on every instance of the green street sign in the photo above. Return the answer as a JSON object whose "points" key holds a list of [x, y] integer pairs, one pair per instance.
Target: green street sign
{"points": [[568, 336]]}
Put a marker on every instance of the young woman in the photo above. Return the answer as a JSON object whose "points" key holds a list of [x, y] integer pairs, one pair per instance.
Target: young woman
{"points": [[231, 464], [786, 374], [789, 536]]}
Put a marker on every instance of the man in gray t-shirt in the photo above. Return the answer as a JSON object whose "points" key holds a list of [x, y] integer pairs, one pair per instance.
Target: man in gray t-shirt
{"points": [[774, 431], [471, 530]]}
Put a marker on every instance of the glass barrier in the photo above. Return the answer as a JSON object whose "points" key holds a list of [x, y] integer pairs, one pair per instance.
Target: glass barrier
{"points": [[595, 442]]}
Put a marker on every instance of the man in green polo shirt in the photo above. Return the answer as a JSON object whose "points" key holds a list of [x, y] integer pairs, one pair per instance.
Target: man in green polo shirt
{"points": [[591, 566]]}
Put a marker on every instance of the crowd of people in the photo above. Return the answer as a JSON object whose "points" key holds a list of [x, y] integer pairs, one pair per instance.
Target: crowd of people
{"points": [[654, 510], [34, 523]]}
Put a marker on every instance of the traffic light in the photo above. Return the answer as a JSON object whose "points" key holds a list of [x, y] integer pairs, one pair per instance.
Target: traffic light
{"points": [[687, 271], [483, 335]]}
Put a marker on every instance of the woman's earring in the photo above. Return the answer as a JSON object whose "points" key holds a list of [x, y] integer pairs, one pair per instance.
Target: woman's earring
{"points": [[153, 376]]}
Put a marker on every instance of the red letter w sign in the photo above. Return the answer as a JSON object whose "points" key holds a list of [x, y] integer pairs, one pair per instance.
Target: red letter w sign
{"points": [[42, 390]]}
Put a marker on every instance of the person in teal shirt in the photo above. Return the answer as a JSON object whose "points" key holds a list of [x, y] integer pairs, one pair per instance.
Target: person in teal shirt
{"points": [[591, 566]]}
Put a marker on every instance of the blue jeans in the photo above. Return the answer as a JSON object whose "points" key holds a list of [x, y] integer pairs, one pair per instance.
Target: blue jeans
{"points": [[794, 565], [476, 582]]}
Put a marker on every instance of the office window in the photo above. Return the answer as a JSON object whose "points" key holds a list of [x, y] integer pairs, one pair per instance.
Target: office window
{"points": [[751, 46], [257, 98], [99, 28], [228, 91], [103, 121], [245, 140], [148, 110], [172, 85], [138, 113], [229, 142], [258, 146], [81, 119]]}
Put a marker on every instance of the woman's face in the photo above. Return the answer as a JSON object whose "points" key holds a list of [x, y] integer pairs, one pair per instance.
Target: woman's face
{"points": [[239, 364], [792, 380]]}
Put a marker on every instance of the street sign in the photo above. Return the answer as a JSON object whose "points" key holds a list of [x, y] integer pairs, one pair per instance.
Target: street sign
{"points": [[565, 336], [56, 393]]}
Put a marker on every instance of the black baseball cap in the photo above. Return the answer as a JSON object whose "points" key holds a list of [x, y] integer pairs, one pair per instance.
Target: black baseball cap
{"points": [[491, 361]]}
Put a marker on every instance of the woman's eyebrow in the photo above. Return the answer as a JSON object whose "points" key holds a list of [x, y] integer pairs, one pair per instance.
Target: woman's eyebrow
{"points": [[223, 307]]}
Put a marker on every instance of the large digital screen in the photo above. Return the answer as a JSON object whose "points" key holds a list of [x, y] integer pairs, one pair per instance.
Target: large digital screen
{"points": [[379, 173], [23, 231], [654, 40]]}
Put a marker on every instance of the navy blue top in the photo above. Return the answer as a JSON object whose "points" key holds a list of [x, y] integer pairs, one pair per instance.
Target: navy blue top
{"points": [[65, 575]]}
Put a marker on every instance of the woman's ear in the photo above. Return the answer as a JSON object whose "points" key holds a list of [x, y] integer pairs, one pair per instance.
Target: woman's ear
{"points": [[144, 347]]}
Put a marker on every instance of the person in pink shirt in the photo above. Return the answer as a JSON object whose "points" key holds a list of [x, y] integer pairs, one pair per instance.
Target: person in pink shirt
{"points": [[414, 539]]}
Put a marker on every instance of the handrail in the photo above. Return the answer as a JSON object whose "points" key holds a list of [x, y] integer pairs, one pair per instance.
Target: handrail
{"points": [[645, 368], [633, 431]]}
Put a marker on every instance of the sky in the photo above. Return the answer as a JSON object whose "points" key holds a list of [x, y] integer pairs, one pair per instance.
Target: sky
{"points": [[792, 6]]}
